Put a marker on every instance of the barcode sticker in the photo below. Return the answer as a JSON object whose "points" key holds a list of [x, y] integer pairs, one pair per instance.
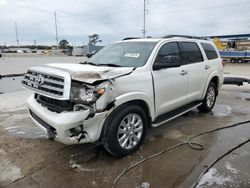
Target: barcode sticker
{"points": [[135, 55]]}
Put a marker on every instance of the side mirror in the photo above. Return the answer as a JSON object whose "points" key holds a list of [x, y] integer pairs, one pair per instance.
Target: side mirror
{"points": [[91, 54], [166, 62]]}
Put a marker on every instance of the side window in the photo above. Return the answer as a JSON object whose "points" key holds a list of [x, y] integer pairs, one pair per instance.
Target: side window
{"points": [[190, 52], [209, 50], [169, 53]]}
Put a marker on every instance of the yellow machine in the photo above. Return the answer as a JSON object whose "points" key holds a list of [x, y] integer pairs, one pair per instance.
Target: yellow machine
{"points": [[219, 44]]}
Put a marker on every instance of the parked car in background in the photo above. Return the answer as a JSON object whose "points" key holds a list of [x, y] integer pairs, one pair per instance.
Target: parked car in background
{"points": [[1, 53], [123, 89]]}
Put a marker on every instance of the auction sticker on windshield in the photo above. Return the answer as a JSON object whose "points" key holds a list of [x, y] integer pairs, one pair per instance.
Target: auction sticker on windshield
{"points": [[135, 55]]}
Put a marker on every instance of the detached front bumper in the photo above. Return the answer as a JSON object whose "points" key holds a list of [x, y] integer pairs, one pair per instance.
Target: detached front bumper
{"points": [[58, 124]]}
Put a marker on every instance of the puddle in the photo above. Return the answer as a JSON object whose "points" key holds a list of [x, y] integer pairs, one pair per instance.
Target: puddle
{"points": [[231, 168], [212, 177], [25, 132], [10, 84], [221, 110]]}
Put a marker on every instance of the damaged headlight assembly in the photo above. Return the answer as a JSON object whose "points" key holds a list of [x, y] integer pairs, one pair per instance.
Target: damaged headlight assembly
{"points": [[85, 95]]}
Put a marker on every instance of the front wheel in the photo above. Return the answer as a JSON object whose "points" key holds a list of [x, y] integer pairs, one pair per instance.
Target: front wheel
{"points": [[210, 98], [124, 131]]}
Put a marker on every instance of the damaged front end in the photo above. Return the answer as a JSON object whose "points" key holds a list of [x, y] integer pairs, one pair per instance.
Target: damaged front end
{"points": [[69, 103], [77, 120], [68, 127]]}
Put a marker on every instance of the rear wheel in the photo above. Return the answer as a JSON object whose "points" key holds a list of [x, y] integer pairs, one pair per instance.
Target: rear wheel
{"points": [[233, 60], [124, 130], [240, 60], [209, 100]]}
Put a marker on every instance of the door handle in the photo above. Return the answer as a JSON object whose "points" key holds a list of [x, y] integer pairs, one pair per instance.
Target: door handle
{"points": [[206, 67], [183, 72]]}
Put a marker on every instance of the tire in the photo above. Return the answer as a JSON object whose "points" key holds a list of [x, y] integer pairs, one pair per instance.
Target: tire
{"points": [[233, 60], [131, 134], [240, 60], [210, 99]]}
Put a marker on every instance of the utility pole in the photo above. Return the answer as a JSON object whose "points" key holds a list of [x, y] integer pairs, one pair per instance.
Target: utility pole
{"points": [[145, 11], [56, 30], [17, 40]]}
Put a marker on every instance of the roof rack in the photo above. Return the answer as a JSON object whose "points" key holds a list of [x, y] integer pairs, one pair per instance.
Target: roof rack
{"points": [[184, 36], [130, 38]]}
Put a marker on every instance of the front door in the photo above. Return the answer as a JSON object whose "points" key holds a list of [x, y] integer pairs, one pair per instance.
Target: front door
{"points": [[170, 83]]}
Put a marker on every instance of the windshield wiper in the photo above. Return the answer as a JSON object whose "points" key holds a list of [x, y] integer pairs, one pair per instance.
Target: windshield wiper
{"points": [[89, 63], [109, 65]]}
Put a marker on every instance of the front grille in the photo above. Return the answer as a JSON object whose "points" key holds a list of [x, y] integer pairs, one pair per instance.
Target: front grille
{"points": [[54, 105], [50, 130], [45, 84]]}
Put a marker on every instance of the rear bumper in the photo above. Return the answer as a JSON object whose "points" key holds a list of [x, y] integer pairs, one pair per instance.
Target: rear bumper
{"points": [[59, 123]]}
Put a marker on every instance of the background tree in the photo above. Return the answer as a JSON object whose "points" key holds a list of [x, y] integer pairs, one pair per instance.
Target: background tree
{"points": [[93, 39], [63, 44]]}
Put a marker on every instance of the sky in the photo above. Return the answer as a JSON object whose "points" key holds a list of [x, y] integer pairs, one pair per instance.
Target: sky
{"points": [[113, 20]]}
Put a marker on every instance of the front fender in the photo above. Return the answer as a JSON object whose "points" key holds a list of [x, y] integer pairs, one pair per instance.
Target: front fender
{"points": [[128, 97]]}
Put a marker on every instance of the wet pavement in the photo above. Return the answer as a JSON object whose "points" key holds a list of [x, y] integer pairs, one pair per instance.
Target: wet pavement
{"points": [[19, 63], [27, 159], [10, 84]]}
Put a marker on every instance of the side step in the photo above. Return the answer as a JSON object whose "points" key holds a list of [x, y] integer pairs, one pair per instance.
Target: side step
{"points": [[174, 114]]}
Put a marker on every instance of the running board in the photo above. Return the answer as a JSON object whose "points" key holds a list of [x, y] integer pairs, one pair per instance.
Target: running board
{"points": [[174, 114]]}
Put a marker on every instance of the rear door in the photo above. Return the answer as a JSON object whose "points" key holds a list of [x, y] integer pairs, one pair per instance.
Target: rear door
{"points": [[170, 83], [194, 62]]}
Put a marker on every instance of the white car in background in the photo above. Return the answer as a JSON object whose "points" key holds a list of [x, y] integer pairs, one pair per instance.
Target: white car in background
{"points": [[124, 88]]}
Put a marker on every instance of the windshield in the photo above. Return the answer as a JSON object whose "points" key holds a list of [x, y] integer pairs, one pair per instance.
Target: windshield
{"points": [[125, 54]]}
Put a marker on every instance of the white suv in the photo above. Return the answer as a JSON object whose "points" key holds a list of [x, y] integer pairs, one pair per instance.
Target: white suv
{"points": [[124, 88]]}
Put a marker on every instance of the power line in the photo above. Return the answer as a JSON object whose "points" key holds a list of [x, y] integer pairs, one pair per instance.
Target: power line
{"points": [[202, 8], [101, 16], [100, 9]]}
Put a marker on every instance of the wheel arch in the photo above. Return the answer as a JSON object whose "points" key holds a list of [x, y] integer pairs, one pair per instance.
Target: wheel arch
{"points": [[216, 80], [139, 99]]}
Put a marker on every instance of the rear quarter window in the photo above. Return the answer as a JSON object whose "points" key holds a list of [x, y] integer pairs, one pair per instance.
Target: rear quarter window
{"points": [[190, 52], [209, 50]]}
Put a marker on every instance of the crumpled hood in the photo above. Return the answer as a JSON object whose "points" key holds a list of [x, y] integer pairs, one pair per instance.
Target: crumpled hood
{"points": [[89, 73]]}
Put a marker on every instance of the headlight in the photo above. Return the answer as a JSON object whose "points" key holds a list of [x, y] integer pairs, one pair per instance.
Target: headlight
{"points": [[82, 93]]}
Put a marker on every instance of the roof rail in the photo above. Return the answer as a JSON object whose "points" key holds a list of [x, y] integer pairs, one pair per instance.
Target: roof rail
{"points": [[130, 38], [183, 36]]}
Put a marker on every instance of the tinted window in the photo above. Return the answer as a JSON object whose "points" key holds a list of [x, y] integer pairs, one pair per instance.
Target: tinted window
{"points": [[169, 51], [190, 52], [209, 50]]}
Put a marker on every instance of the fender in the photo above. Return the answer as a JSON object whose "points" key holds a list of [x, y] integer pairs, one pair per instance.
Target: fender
{"points": [[213, 74], [127, 97]]}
